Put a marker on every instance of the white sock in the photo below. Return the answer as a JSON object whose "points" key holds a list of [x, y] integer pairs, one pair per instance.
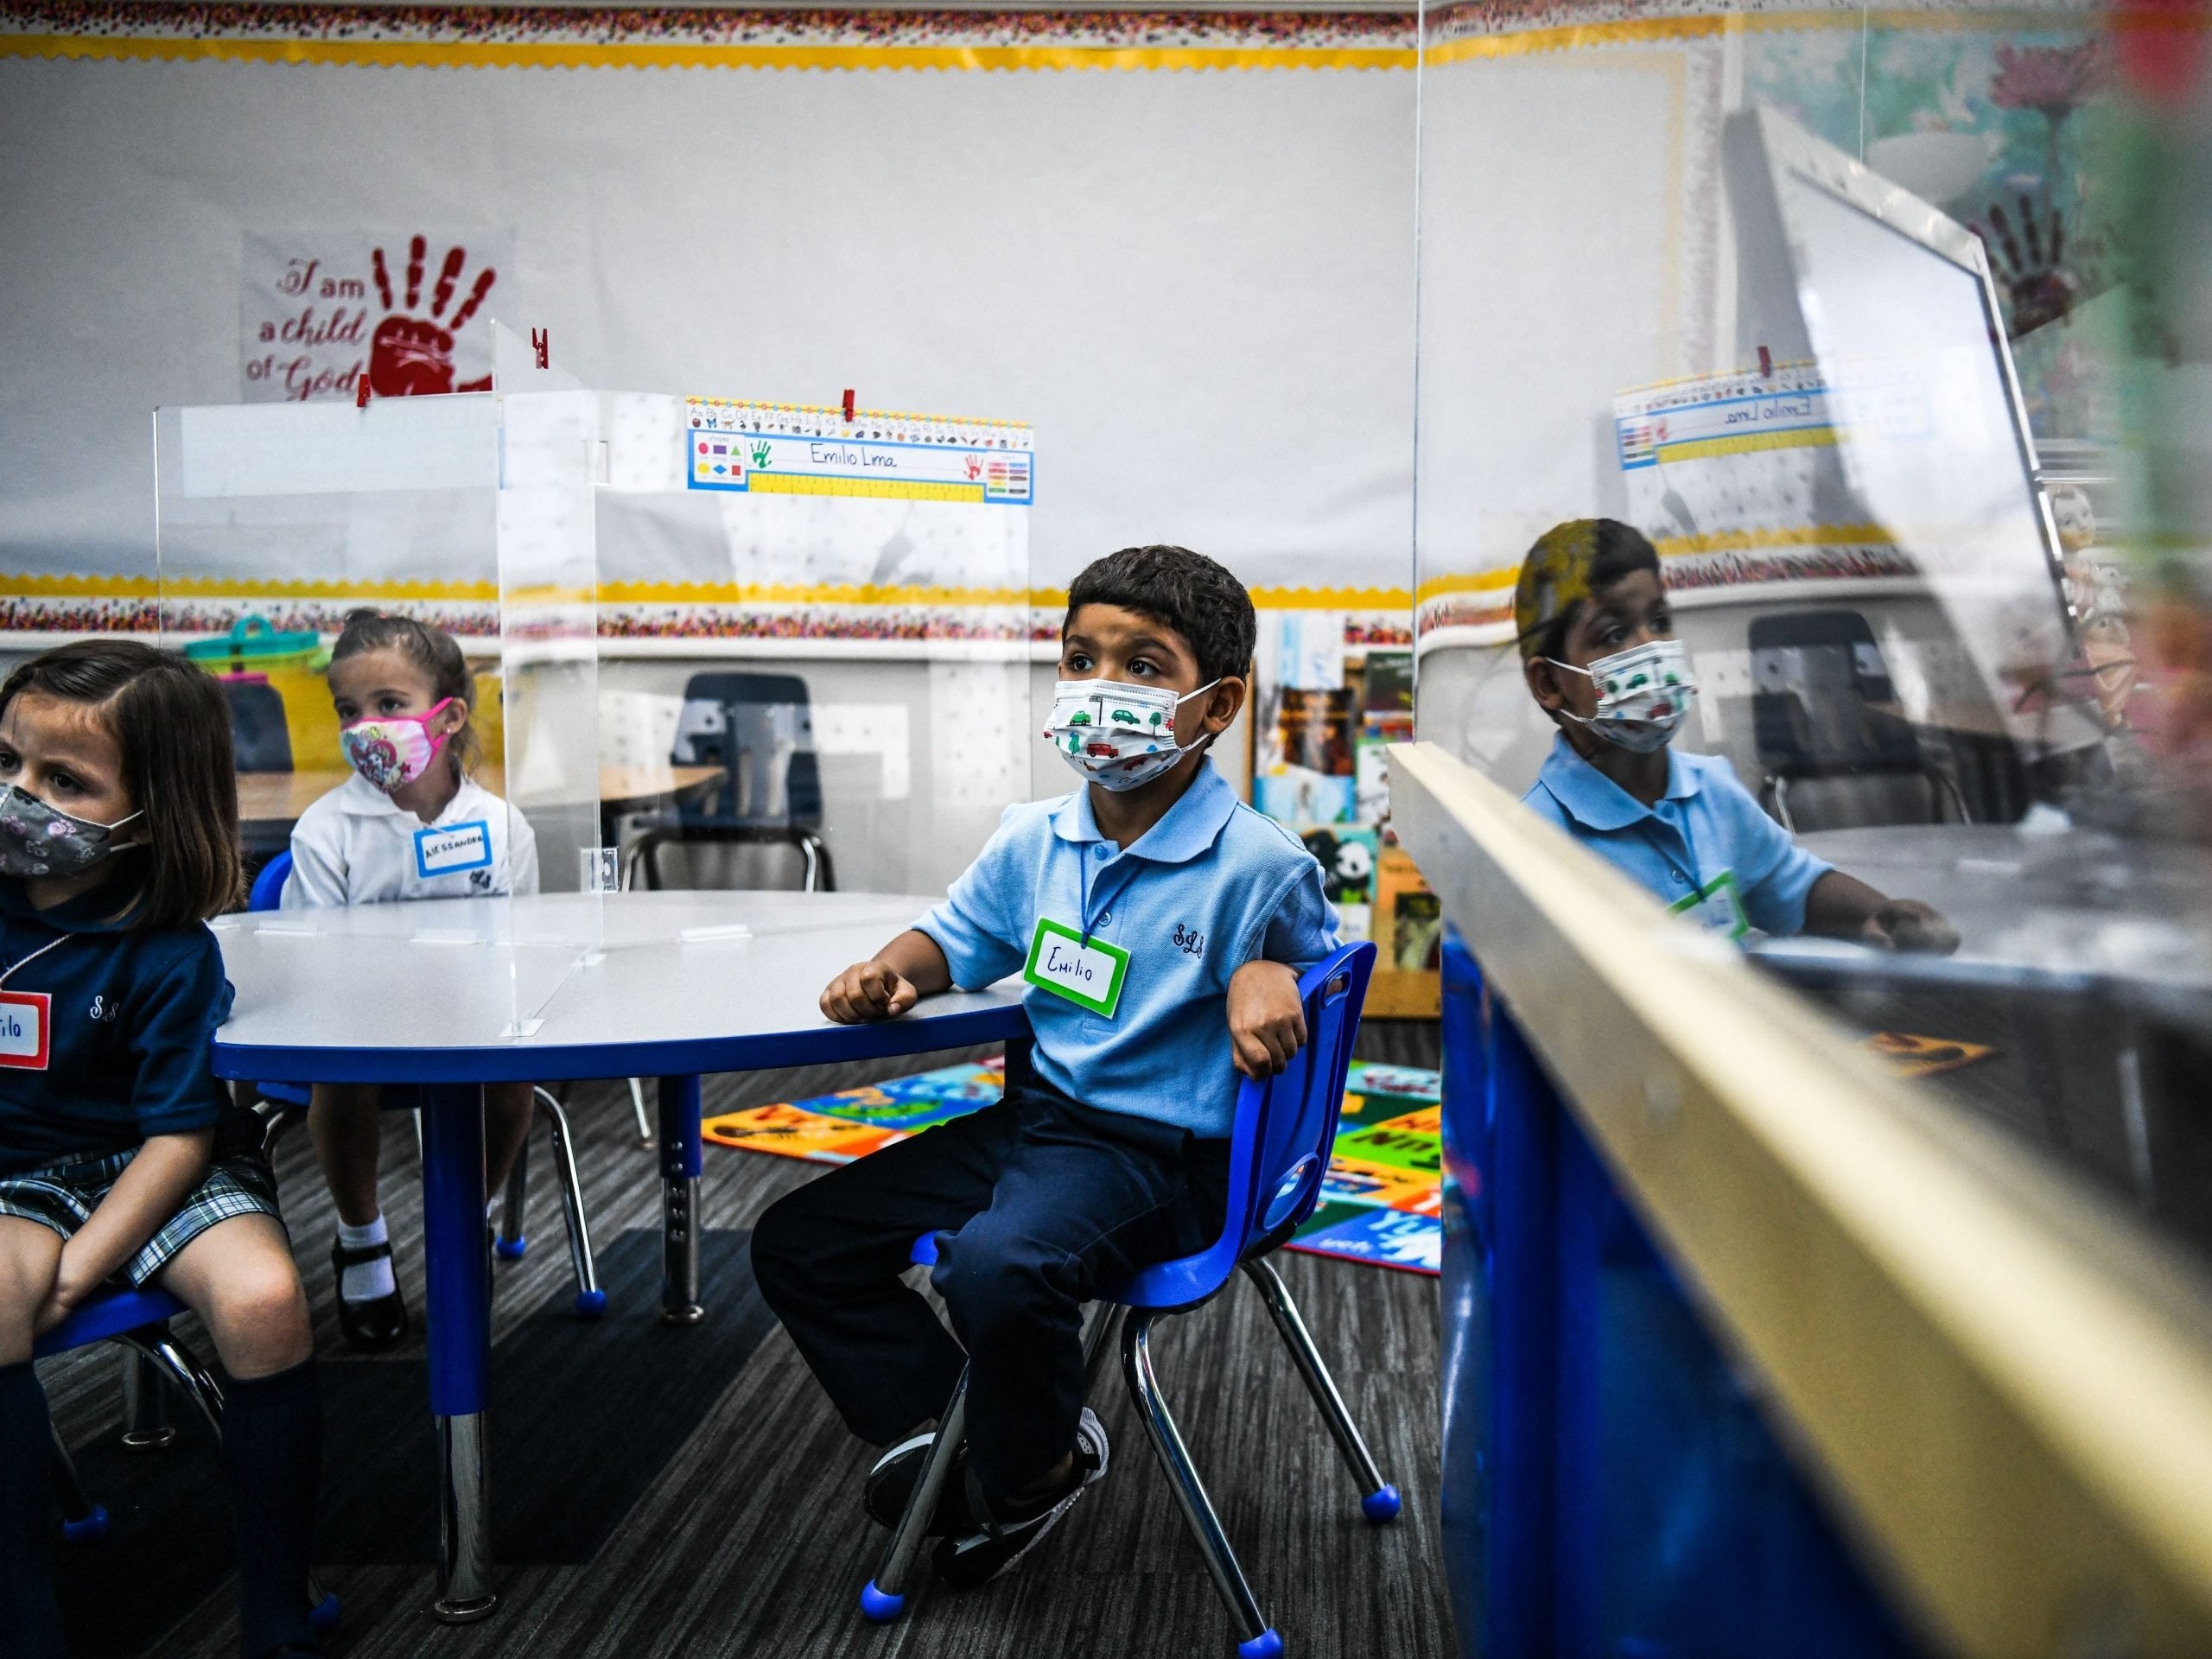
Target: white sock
{"points": [[371, 1280]]}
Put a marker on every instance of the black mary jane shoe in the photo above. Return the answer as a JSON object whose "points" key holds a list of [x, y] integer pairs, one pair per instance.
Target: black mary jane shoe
{"points": [[373, 1325]]}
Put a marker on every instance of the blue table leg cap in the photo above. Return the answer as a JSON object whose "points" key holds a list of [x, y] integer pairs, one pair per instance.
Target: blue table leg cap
{"points": [[1381, 1506], [877, 1608], [1266, 1645], [510, 1249], [590, 1303], [91, 1530], [322, 1618]]}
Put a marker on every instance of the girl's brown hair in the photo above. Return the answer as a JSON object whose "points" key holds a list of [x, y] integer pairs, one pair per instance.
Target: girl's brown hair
{"points": [[433, 651], [170, 720]]}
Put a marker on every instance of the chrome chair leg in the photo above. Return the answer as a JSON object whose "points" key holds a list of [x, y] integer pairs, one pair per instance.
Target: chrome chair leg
{"points": [[1379, 1500], [644, 1117], [174, 1363], [513, 1240], [146, 1425], [885, 1596], [1255, 1639], [276, 1122], [591, 1300]]}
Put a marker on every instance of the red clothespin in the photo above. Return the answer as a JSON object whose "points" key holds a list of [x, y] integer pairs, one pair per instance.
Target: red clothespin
{"points": [[361, 389], [540, 341], [848, 403], [1766, 363]]}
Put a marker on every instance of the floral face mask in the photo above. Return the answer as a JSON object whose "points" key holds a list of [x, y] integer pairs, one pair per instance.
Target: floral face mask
{"points": [[391, 751]]}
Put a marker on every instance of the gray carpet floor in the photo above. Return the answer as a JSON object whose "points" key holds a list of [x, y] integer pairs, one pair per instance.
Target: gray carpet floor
{"points": [[750, 1540]]}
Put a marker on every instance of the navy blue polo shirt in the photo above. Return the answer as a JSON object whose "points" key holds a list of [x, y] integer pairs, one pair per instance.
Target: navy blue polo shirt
{"points": [[1209, 887], [129, 1014], [1705, 824]]}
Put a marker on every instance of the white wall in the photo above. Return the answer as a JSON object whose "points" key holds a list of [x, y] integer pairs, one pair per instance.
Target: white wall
{"points": [[1197, 285]]}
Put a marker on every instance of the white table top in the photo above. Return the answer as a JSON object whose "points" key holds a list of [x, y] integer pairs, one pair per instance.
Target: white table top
{"points": [[570, 985]]}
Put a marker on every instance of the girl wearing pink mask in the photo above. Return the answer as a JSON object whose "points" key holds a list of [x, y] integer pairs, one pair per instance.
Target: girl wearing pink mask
{"points": [[410, 824]]}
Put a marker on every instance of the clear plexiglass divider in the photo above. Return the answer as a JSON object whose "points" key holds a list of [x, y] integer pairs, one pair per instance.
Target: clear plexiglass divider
{"points": [[274, 523], [717, 643], [825, 624]]}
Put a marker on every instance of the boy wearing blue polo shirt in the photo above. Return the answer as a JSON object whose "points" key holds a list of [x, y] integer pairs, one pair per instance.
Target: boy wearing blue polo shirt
{"points": [[1162, 925], [1599, 650]]}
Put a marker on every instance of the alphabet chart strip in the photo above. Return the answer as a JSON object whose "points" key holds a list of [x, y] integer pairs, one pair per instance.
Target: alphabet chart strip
{"points": [[784, 449]]}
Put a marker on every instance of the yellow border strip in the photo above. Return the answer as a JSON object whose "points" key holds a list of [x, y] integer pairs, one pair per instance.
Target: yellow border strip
{"points": [[23, 585]]}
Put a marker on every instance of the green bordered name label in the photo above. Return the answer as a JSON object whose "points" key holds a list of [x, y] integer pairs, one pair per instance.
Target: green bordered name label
{"points": [[1718, 906], [1088, 976]]}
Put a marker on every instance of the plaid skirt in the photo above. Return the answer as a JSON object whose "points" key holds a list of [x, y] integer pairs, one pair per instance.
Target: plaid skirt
{"points": [[238, 1182]]}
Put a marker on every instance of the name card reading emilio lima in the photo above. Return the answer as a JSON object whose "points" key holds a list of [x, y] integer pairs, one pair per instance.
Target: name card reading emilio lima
{"points": [[772, 448]]}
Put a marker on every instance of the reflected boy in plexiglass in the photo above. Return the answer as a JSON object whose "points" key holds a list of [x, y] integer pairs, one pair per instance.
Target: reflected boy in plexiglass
{"points": [[1598, 649]]}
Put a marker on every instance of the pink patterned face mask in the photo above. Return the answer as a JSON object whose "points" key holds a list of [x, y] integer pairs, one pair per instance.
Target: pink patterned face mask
{"points": [[392, 751]]}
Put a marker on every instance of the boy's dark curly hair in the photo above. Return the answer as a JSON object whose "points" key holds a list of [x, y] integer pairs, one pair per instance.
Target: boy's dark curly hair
{"points": [[1185, 590]]}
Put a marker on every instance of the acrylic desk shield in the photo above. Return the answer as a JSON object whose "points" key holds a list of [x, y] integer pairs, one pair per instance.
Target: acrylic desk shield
{"points": [[276, 521], [865, 716]]}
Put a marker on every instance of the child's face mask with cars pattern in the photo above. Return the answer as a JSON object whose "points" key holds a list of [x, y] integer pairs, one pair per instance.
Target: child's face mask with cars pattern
{"points": [[1117, 735]]}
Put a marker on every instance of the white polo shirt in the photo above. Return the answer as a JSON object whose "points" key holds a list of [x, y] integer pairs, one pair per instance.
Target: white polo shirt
{"points": [[354, 847]]}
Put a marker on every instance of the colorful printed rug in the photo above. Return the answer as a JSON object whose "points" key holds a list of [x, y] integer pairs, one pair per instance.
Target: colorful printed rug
{"points": [[1382, 1203]]}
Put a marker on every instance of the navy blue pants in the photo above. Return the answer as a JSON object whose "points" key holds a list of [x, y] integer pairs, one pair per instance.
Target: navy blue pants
{"points": [[1039, 1201]]}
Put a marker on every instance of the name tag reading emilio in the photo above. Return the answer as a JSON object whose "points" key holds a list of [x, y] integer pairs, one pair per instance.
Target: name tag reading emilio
{"points": [[23, 1027], [449, 848], [1089, 976]]}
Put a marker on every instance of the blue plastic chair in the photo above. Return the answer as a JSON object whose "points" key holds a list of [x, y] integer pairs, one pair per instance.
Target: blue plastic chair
{"points": [[1278, 1155], [512, 1243]]}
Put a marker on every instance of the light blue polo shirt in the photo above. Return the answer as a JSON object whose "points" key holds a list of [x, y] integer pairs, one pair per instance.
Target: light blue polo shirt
{"points": [[1209, 887], [1704, 823]]}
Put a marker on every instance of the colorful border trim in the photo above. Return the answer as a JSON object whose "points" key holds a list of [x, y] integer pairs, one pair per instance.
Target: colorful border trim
{"points": [[463, 36], [697, 37]]}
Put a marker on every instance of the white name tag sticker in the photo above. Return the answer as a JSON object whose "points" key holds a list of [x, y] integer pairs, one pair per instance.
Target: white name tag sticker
{"points": [[1717, 906], [23, 1029], [448, 848], [1089, 976]]}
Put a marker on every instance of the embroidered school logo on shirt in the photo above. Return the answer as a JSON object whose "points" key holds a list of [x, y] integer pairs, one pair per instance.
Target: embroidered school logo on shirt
{"points": [[1190, 941], [450, 848]]}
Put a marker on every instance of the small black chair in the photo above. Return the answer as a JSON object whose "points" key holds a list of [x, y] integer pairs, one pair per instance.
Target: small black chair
{"points": [[1833, 754], [759, 729], [258, 734], [736, 857]]}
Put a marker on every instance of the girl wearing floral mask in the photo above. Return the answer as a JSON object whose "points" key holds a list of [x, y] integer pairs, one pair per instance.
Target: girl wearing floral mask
{"points": [[1598, 652], [121, 1156], [410, 824]]}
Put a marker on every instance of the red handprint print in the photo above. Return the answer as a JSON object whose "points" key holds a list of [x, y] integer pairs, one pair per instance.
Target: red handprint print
{"points": [[412, 356]]}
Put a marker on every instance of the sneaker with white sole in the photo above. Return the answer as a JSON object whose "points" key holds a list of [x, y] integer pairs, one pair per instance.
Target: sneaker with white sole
{"points": [[975, 1557], [891, 1484]]}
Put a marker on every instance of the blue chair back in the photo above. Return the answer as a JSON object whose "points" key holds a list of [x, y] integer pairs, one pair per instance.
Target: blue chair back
{"points": [[269, 885], [105, 1317], [267, 894], [1279, 1147]]}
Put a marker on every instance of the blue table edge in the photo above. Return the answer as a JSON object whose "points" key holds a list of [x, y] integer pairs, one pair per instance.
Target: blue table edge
{"points": [[525, 1062]]}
